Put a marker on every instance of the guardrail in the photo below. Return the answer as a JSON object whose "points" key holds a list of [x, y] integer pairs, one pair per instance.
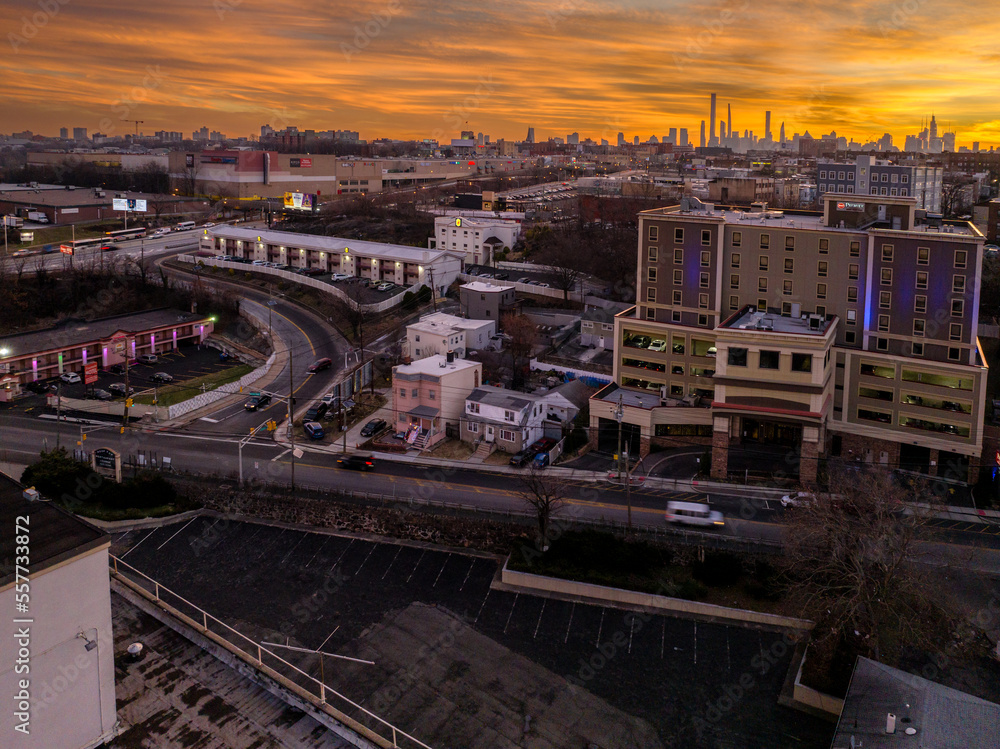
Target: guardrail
{"points": [[203, 622]]}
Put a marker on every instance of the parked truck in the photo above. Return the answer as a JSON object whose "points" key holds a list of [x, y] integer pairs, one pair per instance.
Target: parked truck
{"points": [[38, 217], [13, 222]]}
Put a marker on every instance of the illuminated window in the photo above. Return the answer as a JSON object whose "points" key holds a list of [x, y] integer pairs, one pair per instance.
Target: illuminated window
{"points": [[737, 238], [789, 265], [921, 279], [884, 299], [923, 255], [920, 304], [734, 281], [855, 249], [735, 261], [821, 291], [887, 253], [651, 253], [706, 259], [678, 277], [822, 268], [852, 272], [765, 241], [762, 262], [654, 233]]}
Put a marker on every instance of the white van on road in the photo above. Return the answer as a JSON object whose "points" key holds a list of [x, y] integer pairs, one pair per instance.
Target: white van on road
{"points": [[694, 513]]}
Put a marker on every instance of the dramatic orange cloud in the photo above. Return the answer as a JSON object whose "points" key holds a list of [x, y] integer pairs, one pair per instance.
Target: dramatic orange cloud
{"points": [[429, 68]]}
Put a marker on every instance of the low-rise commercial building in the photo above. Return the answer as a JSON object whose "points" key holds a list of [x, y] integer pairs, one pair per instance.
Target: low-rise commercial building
{"points": [[478, 238], [71, 345], [429, 396], [851, 335], [440, 333]]}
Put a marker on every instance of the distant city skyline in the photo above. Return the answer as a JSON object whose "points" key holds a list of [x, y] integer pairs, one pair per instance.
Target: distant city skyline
{"points": [[413, 71]]}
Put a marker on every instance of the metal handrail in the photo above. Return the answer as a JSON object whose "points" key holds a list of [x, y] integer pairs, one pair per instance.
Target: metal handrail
{"points": [[323, 688]]}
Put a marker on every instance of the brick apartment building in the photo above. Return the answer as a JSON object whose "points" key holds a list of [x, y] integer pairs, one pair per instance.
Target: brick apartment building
{"points": [[851, 334]]}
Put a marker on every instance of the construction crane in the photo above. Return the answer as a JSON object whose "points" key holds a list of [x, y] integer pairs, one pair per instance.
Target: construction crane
{"points": [[137, 123]]}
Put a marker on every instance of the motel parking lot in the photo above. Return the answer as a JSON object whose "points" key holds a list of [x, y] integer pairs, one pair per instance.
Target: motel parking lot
{"points": [[685, 682]]}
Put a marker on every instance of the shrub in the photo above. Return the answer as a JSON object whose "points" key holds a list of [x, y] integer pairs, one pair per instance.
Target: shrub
{"points": [[719, 568]]}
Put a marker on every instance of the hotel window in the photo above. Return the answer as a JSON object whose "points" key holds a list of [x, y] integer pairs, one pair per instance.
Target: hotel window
{"points": [[885, 299], [706, 237], [651, 254], [703, 281], [762, 262], [957, 307], [904, 192], [762, 285], [678, 235], [954, 353], [734, 281], [789, 265], [852, 293], [706, 258], [920, 304], [919, 326], [840, 176], [678, 277], [821, 291], [786, 308], [822, 268], [675, 316], [883, 191], [960, 258], [892, 191], [802, 362], [762, 305], [678, 297], [923, 255], [737, 238], [789, 243], [737, 357], [918, 349], [703, 320], [883, 323], [734, 303], [654, 233], [955, 331], [821, 310], [651, 294], [881, 344], [651, 313], [703, 301], [735, 261], [822, 175], [887, 253], [824, 246], [958, 284], [904, 178], [850, 336], [769, 359], [852, 272], [887, 276], [855, 249], [651, 274], [678, 256], [850, 189], [765, 241], [786, 288], [921, 279]]}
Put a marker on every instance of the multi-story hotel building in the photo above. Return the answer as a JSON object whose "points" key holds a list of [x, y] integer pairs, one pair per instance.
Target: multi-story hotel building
{"points": [[850, 334]]}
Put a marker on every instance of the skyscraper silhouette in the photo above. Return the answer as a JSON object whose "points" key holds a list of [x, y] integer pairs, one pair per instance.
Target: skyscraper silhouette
{"points": [[711, 124]]}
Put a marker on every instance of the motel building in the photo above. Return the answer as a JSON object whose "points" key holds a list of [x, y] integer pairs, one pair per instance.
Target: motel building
{"points": [[777, 340], [71, 345]]}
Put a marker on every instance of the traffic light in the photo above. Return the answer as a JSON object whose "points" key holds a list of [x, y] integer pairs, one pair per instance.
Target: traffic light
{"points": [[83, 437], [128, 403], [272, 425], [121, 431]]}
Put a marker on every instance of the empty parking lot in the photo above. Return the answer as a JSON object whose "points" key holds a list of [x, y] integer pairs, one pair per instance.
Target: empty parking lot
{"points": [[687, 682]]}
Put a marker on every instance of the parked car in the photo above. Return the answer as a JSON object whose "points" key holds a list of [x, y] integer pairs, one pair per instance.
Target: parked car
{"points": [[340, 276], [357, 462], [658, 345], [161, 377], [373, 427], [101, 395], [316, 411], [384, 287], [502, 276], [119, 369], [541, 460], [70, 378], [313, 430], [148, 359], [798, 498], [225, 356], [524, 279], [319, 365], [522, 457], [41, 386], [119, 389], [257, 401]]}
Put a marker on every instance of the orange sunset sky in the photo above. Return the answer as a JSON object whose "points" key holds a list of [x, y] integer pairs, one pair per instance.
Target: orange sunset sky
{"points": [[422, 68]]}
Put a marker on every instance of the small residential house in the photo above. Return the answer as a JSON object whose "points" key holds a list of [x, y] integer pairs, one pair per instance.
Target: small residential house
{"points": [[512, 420], [486, 301], [439, 333], [429, 394], [597, 328]]}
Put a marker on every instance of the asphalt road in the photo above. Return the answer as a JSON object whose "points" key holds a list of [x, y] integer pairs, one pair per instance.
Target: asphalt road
{"points": [[148, 248]]}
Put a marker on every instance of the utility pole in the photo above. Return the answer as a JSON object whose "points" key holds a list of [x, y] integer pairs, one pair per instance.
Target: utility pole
{"points": [[58, 411], [433, 290], [619, 415], [128, 394]]}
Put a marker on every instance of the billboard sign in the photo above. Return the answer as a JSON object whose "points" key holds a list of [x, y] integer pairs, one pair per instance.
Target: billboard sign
{"points": [[128, 204], [856, 207], [300, 200], [90, 373], [66, 249], [300, 163]]}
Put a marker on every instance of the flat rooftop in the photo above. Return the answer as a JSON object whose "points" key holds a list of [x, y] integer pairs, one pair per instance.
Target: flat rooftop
{"points": [[483, 286], [634, 398], [76, 332], [331, 244], [435, 365], [754, 320]]}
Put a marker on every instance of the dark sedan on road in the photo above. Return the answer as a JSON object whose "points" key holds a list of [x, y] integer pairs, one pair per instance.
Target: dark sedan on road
{"points": [[257, 401], [522, 458], [357, 462], [319, 365], [373, 427]]}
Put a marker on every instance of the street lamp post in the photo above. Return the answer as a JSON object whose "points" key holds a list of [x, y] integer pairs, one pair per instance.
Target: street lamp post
{"points": [[619, 415]]}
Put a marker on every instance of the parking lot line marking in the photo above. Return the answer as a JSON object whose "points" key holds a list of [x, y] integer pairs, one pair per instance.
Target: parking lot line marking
{"points": [[511, 613], [482, 607], [342, 554], [317, 551], [328, 637], [374, 546], [696, 643], [631, 627], [140, 541], [441, 570], [169, 539], [416, 565], [392, 562], [570, 623], [600, 629], [304, 536], [535, 636], [663, 638], [729, 662], [471, 565]]}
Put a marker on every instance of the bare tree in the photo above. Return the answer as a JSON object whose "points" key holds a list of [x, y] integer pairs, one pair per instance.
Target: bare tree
{"points": [[521, 339], [566, 261], [850, 562], [545, 494]]}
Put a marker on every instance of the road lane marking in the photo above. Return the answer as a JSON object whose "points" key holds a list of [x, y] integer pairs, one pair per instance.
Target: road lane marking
{"points": [[511, 613], [535, 636], [281, 455], [210, 421]]}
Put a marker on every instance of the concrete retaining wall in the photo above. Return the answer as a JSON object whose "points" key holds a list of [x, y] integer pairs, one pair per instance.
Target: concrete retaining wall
{"points": [[230, 388], [649, 600], [580, 374]]}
